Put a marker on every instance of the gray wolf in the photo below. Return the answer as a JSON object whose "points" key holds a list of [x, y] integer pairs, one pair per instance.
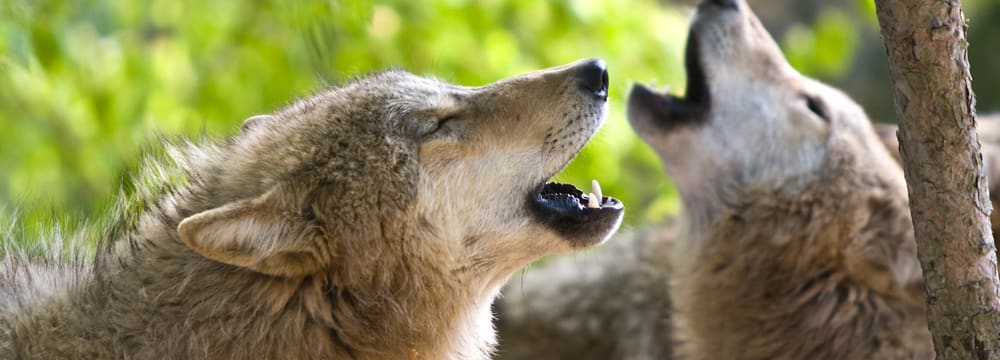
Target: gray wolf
{"points": [[800, 242], [374, 220], [795, 242]]}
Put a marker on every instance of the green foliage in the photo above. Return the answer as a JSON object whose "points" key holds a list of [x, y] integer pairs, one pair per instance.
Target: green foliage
{"points": [[827, 48], [85, 84]]}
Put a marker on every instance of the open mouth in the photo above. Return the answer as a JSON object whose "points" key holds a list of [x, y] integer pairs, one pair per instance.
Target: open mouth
{"points": [[671, 110], [577, 215]]}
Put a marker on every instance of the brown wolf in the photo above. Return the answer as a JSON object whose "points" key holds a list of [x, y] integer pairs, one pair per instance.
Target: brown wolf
{"points": [[375, 220]]}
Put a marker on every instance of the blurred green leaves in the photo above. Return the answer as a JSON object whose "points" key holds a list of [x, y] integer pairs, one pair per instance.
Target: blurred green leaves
{"points": [[827, 48]]}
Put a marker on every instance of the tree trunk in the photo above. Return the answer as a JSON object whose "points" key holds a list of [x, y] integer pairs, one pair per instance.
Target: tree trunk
{"points": [[925, 40]]}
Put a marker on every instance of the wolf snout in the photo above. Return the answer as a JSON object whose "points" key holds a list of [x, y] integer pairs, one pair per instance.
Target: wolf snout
{"points": [[593, 77]]}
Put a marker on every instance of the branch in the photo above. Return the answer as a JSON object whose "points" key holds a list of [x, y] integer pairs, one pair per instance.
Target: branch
{"points": [[925, 41]]}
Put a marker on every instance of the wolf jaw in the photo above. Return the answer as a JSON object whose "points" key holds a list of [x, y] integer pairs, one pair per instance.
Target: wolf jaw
{"points": [[672, 110], [574, 214]]}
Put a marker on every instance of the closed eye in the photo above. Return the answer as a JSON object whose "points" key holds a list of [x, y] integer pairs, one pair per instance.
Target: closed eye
{"points": [[444, 122], [440, 127], [816, 106]]}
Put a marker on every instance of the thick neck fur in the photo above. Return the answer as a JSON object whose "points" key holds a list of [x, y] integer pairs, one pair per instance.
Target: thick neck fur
{"points": [[172, 303], [829, 273]]}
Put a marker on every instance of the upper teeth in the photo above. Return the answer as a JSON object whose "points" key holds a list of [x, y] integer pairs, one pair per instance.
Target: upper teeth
{"points": [[595, 196]]}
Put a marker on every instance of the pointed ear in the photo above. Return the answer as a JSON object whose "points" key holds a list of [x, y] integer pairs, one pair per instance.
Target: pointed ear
{"points": [[254, 121], [257, 234]]}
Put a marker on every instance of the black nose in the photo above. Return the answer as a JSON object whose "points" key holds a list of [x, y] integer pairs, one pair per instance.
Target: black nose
{"points": [[593, 76], [725, 4]]}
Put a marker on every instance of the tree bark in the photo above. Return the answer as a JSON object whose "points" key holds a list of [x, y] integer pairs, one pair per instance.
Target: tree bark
{"points": [[925, 41]]}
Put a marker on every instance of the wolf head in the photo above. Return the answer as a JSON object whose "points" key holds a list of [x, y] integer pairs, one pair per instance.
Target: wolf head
{"points": [[394, 169], [748, 119]]}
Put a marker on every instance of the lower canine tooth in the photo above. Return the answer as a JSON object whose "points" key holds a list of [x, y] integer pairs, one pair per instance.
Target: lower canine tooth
{"points": [[592, 202], [596, 189]]}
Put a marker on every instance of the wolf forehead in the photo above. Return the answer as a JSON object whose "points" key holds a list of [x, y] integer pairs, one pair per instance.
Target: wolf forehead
{"points": [[383, 100], [386, 108], [367, 128]]}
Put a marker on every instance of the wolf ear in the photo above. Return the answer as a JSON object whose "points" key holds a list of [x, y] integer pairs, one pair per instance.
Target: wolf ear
{"points": [[256, 234], [254, 121]]}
